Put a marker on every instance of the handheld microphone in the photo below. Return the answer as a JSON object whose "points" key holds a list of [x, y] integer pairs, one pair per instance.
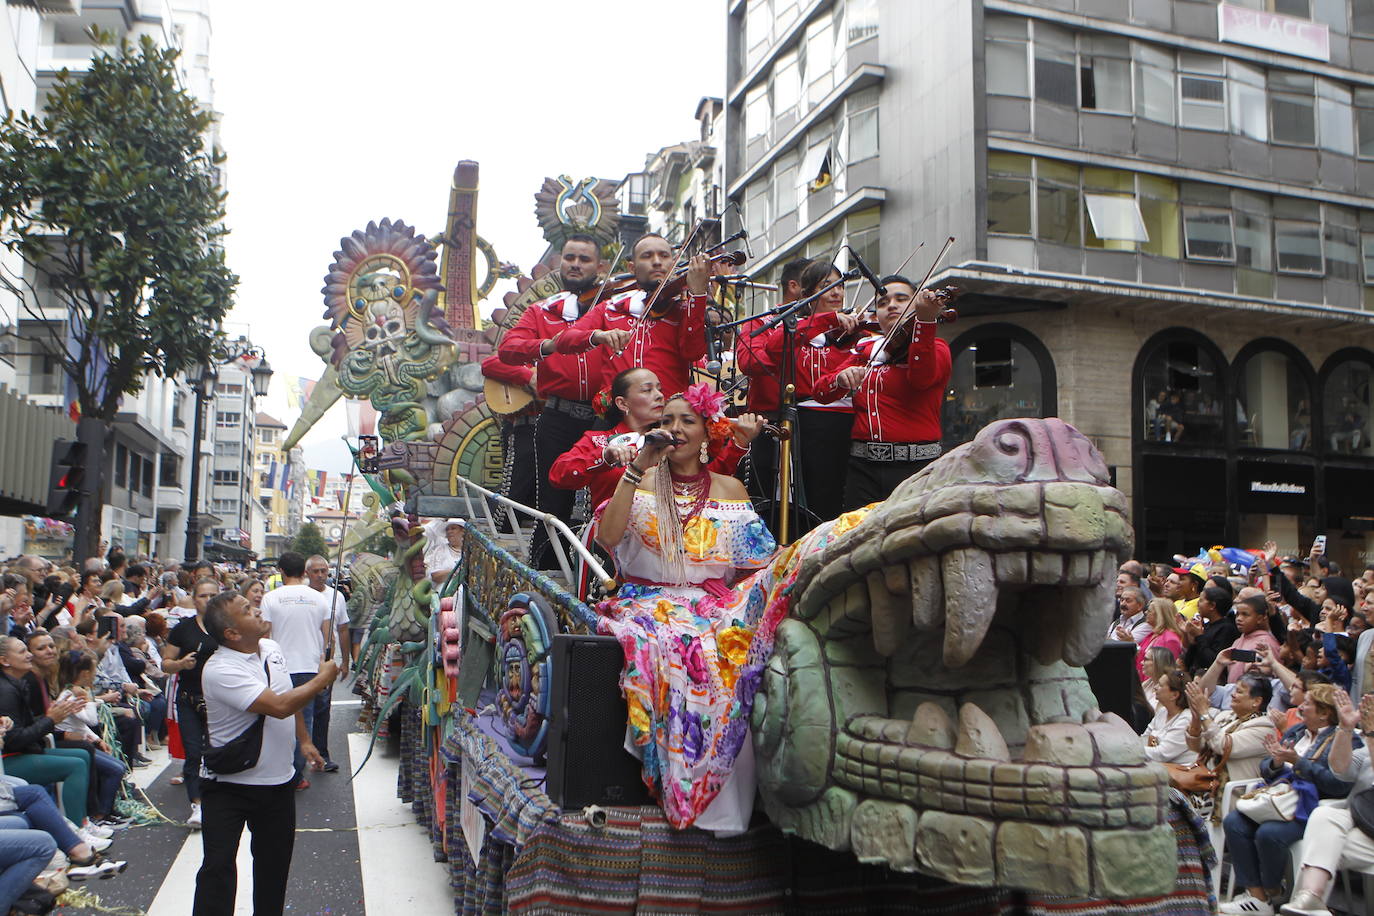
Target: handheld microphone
{"points": [[659, 437], [879, 289]]}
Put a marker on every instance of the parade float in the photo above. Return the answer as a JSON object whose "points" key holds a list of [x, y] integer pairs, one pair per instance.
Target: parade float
{"points": [[925, 736]]}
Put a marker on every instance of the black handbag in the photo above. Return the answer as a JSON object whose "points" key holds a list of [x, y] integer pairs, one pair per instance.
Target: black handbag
{"points": [[241, 752]]}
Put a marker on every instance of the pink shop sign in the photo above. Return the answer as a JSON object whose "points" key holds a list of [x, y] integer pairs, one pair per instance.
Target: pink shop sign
{"points": [[1273, 31]]}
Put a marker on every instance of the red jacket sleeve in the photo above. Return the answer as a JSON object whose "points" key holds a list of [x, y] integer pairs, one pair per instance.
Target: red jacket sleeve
{"points": [[494, 368], [575, 468], [578, 338], [827, 388], [520, 346], [927, 363], [757, 356], [691, 334]]}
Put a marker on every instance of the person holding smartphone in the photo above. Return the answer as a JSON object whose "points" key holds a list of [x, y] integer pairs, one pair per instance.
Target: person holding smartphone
{"points": [[1252, 622]]}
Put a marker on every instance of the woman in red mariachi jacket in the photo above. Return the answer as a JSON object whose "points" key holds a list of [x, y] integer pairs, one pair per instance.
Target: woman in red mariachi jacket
{"points": [[635, 405], [823, 428], [897, 396]]}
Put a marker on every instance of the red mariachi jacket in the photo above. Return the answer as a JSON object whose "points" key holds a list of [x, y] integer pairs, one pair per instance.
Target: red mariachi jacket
{"points": [[575, 376], [896, 403], [813, 360], [582, 465], [753, 359], [667, 346]]}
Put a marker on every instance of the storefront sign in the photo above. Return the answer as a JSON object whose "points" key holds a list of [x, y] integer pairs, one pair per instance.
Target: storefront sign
{"points": [[1273, 31], [1269, 486]]}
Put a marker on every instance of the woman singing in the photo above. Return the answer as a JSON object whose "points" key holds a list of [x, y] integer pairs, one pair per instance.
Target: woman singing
{"points": [[633, 404], [694, 646]]}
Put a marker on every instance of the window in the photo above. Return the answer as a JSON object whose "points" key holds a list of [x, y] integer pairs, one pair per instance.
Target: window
{"points": [[228, 449], [1362, 17], [1154, 84], [862, 108], [997, 372], [862, 235], [1275, 403], [234, 388], [1006, 51], [1114, 218], [1299, 245], [1057, 203], [230, 477], [758, 34], [1341, 244], [861, 20], [1055, 78], [1348, 399], [1202, 93], [225, 507], [785, 185], [146, 487], [1207, 234], [1335, 118], [1249, 115], [1301, 9], [1160, 213], [756, 216], [1367, 247], [1009, 194], [121, 468], [178, 406], [1104, 74], [225, 418], [1364, 115], [1181, 395], [1254, 248], [786, 86], [820, 67], [1292, 113], [758, 115], [169, 472]]}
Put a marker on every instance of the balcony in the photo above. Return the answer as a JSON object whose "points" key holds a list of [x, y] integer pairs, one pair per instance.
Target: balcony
{"points": [[171, 499]]}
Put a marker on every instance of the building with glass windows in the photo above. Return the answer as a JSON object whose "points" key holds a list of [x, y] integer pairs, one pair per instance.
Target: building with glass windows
{"points": [[1164, 224]]}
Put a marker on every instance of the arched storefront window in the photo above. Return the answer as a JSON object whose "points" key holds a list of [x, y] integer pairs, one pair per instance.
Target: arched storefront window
{"points": [[1182, 395], [1273, 398], [1348, 403], [999, 371]]}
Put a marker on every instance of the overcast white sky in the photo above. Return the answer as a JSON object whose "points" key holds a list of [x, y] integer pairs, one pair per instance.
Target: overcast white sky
{"points": [[341, 112]]}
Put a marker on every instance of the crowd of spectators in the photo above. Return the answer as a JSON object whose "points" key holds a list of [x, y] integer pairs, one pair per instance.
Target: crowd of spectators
{"points": [[90, 660], [1247, 671]]}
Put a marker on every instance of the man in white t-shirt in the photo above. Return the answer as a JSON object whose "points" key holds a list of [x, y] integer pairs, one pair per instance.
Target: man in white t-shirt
{"points": [[300, 625], [316, 575], [245, 678]]}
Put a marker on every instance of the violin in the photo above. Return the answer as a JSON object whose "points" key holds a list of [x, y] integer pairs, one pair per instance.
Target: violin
{"points": [[901, 335], [609, 288], [668, 291]]}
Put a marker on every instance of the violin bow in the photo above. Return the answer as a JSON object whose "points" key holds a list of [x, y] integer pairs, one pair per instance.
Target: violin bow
{"points": [[610, 272], [681, 259], [910, 309]]}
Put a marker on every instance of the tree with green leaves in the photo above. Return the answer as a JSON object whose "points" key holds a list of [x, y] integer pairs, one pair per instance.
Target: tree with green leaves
{"points": [[309, 541], [112, 201]]}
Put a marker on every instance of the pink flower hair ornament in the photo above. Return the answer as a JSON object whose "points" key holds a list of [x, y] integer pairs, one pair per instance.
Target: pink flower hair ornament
{"points": [[705, 401]]}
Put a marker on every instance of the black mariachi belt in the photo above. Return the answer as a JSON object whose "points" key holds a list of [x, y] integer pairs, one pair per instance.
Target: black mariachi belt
{"points": [[894, 451], [579, 409]]}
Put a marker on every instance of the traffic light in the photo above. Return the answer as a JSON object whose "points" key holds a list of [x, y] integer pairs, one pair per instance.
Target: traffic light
{"points": [[65, 477]]}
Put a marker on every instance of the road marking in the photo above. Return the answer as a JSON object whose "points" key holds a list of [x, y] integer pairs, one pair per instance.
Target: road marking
{"points": [[386, 854]]}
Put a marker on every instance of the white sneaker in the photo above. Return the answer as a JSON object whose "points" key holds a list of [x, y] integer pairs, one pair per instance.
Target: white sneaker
{"points": [[1247, 905], [1305, 903], [101, 867], [95, 829], [194, 821], [99, 844]]}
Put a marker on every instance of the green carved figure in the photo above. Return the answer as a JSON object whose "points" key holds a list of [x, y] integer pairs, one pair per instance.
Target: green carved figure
{"points": [[924, 705]]}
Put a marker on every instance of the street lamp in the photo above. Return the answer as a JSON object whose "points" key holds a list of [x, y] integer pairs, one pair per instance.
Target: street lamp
{"points": [[203, 384]]}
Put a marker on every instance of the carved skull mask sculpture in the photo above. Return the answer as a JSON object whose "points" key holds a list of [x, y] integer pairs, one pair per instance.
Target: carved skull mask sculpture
{"points": [[923, 705]]}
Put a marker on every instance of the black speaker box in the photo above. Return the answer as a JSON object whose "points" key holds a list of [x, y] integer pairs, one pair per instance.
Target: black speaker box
{"points": [[588, 763], [1112, 678]]}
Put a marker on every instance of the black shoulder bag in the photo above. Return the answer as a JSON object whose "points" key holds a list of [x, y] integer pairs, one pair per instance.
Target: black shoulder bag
{"points": [[242, 752]]}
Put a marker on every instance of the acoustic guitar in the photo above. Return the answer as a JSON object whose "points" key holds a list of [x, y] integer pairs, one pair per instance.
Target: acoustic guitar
{"points": [[506, 399]]}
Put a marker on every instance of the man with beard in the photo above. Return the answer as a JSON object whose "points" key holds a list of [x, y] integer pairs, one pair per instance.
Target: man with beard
{"points": [[666, 340], [565, 382]]}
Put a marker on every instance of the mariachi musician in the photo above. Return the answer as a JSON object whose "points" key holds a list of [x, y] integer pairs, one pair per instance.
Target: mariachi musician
{"points": [[664, 332], [897, 380], [566, 382], [765, 387], [517, 432]]}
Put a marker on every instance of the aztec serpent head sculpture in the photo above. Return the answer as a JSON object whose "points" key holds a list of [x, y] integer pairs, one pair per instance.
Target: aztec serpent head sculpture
{"points": [[923, 706]]}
